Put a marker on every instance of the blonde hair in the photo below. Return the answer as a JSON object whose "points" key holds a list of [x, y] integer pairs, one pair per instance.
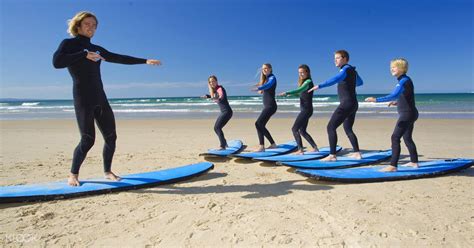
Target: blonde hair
{"points": [[263, 78], [401, 63], [75, 22], [212, 91]]}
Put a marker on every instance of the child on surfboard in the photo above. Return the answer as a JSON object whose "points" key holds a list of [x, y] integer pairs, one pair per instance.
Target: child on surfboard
{"points": [[404, 94]]}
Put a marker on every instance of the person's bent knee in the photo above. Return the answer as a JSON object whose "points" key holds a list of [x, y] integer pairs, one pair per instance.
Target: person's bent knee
{"points": [[111, 138], [87, 142]]}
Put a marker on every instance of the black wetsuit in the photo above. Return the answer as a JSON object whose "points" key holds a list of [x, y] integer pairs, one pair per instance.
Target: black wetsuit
{"points": [[347, 80], [90, 101], [224, 117], [404, 93], [269, 108], [306, 111]]}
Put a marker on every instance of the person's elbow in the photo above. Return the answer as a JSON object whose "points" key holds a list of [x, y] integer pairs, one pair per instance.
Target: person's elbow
{"points": [[57, 63]]}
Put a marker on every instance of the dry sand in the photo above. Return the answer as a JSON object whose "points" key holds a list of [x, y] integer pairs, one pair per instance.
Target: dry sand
{"points": [[236, 204]]}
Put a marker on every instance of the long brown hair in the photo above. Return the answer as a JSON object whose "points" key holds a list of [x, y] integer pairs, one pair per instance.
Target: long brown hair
{"points": [[212, 91], [263, 78], [306, 68]]}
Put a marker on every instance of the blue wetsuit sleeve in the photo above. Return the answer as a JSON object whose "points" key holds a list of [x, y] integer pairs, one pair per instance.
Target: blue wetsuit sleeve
{"points": [[63, 59], [334, 80], [269, 84], [359, 81], [120, 59], [395, 93]]}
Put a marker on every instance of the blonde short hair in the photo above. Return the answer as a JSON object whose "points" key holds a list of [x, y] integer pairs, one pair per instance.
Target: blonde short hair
{"points": [[402, 64], [75, 22]]}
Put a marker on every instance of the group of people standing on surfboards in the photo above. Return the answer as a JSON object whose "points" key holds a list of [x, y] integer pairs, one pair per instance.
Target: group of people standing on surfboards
{"points": [[347, 80], [83, 59]]}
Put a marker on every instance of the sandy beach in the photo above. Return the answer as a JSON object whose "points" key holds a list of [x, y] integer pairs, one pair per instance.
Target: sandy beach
{"points": [[236, 204]]}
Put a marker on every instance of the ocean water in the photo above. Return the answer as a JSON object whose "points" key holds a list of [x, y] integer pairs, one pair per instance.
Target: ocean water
{"points": [[443, 106]]}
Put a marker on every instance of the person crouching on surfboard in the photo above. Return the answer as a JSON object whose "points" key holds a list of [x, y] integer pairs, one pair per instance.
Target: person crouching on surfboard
{"points": [[218, 94], [83, 60], [306, 108], [404, 94], [267, 87], [347, 80]]}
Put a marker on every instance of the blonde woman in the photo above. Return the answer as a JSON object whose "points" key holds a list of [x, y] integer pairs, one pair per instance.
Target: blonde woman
{"points": [[306, 108], [83, 60], [267, 87], [404, 94], [218, 94]]}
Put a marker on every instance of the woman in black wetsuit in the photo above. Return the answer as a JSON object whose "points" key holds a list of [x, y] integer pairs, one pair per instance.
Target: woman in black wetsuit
{"points": [[306, 108], [83, 59], [266, 86], [347, 80], [404, 94], [219, 95]]}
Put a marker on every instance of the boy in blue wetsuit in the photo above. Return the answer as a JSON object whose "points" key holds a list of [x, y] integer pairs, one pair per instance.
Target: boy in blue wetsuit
{"points": [[347, 80], [404, 94]]}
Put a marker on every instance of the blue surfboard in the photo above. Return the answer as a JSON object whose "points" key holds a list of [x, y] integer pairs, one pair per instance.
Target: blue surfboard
{"points": [[372, 174], [61, 190], [280, 149], [233, 146], [323, 152], [342, 162]]}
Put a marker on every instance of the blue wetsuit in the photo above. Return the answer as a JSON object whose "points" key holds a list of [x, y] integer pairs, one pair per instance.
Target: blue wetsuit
{"points": [[269, 108], [306, 111], [90, 101], [347, 80], [224, 117], [404, 93]]}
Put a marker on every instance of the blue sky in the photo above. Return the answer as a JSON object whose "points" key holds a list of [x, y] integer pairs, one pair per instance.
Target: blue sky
{"points": [[232, 38]]}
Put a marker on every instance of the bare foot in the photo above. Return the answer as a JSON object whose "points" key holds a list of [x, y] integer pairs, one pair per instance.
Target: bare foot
{"points": [[73, 180], [260, 149], [389, 169], [314, 150], [272, 146], [411, 164], [330, 158], [112, 176], [355, 155], [299, 152]]}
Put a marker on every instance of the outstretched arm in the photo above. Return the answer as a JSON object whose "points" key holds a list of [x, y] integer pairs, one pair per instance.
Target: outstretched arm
{"points": [[303, 87], [394, 95], [334, 80], [124, 59], [269, 84]]}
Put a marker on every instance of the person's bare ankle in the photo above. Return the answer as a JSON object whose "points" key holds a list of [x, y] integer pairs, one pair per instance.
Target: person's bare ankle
{"points": [[73, 180]]}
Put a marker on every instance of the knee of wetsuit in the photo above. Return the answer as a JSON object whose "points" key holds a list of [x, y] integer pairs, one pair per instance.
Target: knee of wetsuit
{"points": [[111, 138], [87, 142], [295, 129], [330, 128], [216, 129], [395, 138], [257, 124]]}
